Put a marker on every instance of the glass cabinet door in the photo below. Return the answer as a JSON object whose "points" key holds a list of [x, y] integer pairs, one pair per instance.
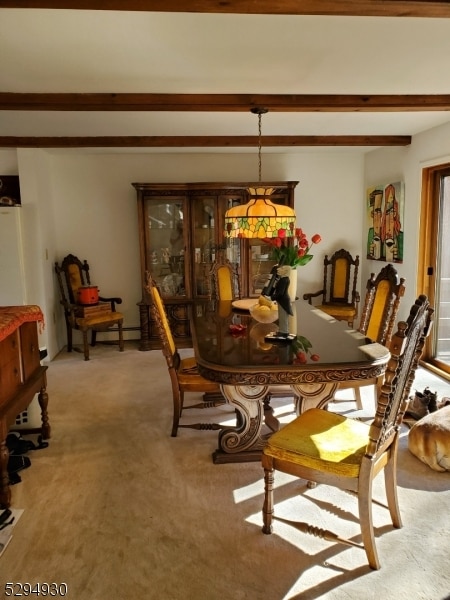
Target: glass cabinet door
{"points": [[232, 245], [165, 244], [204, 242], [208, 242], [260, 263]]}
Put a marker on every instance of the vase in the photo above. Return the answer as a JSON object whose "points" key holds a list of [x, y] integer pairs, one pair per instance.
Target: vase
{"points": [[292, 289]]}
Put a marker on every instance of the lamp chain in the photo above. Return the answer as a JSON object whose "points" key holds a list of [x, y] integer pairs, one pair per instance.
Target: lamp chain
{"points": [[257, 110], [259, 146]]}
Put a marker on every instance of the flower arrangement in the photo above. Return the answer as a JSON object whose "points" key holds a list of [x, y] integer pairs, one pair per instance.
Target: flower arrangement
{"points": [[297, 254]]}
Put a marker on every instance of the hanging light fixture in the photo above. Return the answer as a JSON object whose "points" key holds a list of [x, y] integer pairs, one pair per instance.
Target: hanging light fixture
{"points": [[260, 217]]}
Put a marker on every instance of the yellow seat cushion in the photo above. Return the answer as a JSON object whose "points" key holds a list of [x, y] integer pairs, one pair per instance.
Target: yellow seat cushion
{"points": [[335, 310], [321, 440], [190, 380]]}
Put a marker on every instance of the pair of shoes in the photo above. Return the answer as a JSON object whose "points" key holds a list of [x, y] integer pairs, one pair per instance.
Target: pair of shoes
{"points": [[421, 404], [16, 464]]}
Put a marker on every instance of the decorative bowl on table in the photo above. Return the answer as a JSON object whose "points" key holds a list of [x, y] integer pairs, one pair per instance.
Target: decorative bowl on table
{"points": [[263, 313]]}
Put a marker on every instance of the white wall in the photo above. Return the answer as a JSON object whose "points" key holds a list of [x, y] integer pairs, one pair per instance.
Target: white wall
{"points": [[395, 164], [85, 204]]}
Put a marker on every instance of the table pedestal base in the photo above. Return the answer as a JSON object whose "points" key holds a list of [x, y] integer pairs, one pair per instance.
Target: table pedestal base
{"points": [[245, 442], [313, 395]]}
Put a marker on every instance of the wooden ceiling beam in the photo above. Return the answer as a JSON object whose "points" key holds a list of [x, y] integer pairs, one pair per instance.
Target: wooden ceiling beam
{"points": [[225, 102], [375, 8], [230, 141]]}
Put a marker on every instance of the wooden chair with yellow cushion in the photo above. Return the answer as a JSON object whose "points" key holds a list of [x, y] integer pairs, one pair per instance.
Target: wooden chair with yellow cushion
{"points": [[183, 372], [381, 304], [340, 298], [332, 449], [72, 275], [224, 281]]}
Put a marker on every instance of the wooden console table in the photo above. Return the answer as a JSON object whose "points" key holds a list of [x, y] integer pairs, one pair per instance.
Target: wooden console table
{"points": [[21, 377]]}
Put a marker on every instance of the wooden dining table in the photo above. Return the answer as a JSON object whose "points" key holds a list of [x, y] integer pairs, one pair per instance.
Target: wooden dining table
{"points": [[247, 366]]}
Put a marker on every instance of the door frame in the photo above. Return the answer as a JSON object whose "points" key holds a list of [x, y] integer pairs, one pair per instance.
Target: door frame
{"points": [[428, 252]]}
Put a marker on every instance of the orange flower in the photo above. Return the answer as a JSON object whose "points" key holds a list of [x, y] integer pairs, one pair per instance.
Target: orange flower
{"points": [[295, 254]]}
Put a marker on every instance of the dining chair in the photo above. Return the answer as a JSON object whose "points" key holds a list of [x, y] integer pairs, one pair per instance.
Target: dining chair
{"points": [[339, 296], [72, 274], [332, 449], [183, 372], [224, 280], [382, 301]]}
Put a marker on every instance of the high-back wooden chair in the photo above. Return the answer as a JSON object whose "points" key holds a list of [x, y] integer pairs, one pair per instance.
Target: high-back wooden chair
{"points": [[381, 304], [102, 316], [340, 297], [332, 449], [224, 281], [183, 372], [383, 294]]}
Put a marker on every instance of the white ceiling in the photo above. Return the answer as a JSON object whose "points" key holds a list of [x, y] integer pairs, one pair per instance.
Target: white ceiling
{"points": [[64, 51]]}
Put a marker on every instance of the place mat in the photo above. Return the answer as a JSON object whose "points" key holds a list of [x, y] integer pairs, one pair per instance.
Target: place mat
{"points": [[244, 303]]}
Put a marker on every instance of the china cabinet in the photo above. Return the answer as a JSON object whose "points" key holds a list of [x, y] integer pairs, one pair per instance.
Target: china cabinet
{"points": [[181, 234]]}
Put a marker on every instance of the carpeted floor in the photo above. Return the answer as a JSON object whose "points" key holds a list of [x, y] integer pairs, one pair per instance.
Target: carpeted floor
{"points": [[116, 508]]}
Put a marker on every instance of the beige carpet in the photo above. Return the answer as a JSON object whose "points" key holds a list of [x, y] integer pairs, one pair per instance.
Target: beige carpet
{"points": [[116, 508]]}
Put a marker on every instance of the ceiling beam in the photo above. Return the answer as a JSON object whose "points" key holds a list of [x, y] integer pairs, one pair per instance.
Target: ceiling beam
{"points": [[376, 8], [230, 141], [225, 102]]}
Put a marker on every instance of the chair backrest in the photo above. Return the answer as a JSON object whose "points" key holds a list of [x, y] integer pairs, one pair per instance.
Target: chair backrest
{"points": [[382, 301], [75, 274], [224, 281], [169, 348], [406, 348], [340, 278]]}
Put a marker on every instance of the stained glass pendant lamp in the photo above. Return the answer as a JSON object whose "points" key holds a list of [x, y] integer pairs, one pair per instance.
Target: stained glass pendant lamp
{"points": [[260, 217]]}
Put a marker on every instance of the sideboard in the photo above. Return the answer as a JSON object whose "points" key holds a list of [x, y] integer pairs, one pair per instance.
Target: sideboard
{"points": [[21, 377]]}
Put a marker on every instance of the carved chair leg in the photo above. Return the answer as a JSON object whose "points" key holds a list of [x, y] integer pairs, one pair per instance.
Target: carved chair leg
{"points": [[359, 404], [390, 485], [178, 399], [266, 401], [69, 338], [120, 336], [85, 344], [269, 419], [43, 403], [366, 522], [268, 500], [93, 337]]}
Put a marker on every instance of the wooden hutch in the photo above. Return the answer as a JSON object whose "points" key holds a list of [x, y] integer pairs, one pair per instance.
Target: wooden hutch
{"points": [[181, 234]]}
